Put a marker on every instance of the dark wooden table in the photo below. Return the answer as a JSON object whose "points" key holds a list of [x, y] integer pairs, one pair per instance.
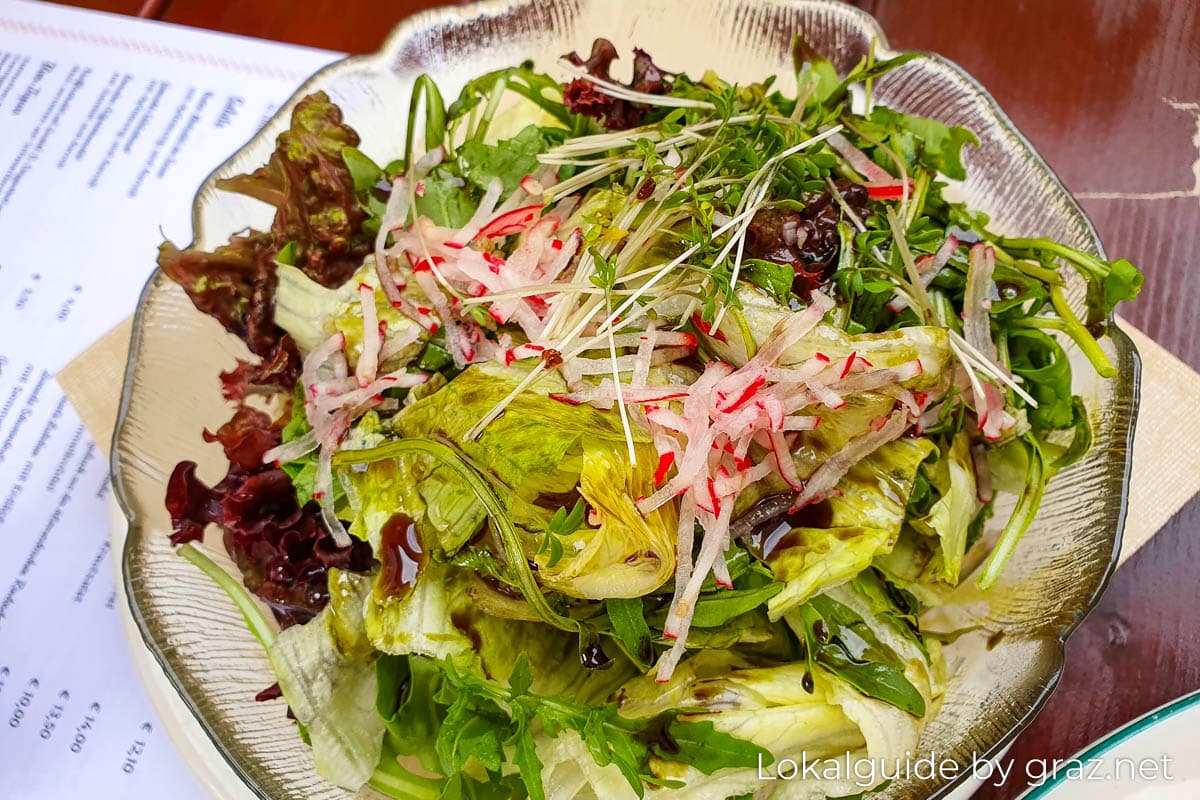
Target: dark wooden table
{"points": [[1109, 92]]}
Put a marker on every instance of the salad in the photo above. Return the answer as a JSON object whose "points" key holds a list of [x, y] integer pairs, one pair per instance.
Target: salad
{"points": [[604, 438]]}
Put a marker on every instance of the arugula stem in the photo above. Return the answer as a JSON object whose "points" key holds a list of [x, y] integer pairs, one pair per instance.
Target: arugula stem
{"points": [[1089, 265], [395, 781], [1027, 508], [744, 330], [1048, 276], [258, 623], [513, 551], [494, 98], [1076, 330], [435, 117]]}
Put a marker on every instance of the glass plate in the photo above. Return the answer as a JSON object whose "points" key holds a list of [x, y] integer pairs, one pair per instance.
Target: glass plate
{"points": [[998, 681]]}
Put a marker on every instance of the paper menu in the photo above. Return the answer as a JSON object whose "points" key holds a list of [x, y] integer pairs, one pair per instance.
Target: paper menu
{"points": [[107, 127]]}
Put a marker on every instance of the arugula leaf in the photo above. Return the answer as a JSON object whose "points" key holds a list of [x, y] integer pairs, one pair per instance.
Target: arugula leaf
{"points": [[715, 610], [813, 69], [892, 604], [774, 279], [484, 716], [628, 619], [363, 171], [446, 199], [865, 72], [700, 745], [941, 144], [391, 678], [1123, 282], [561, 526], [1081, 442], [846, 646], [1041, 361], [921, 498], [525, 758], [509, 160], [405, 688]]}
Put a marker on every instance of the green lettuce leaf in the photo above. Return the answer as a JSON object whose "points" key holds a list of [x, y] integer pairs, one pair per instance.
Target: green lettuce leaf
{"points": [[311, 313], [446, 199], [769, 706], [543, 452], [950, 517], [762, 313], [863, 522], [326, 670], [421, 620], [509, 160]]}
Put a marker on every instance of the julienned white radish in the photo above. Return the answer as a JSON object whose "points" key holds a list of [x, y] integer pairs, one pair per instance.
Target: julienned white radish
{"points": [[994, 420], [293, 450], [661, 338], [646, 342], [394, 215], [599, 366], [983, 473], [716, 539], [395, 342], [323, 494], [860, 161], [976, 320], [532, 186], [684, 544], [484, 211], [319, 358], [827, 476], [877, 378], [425, 164], [368, 360], [369, 394], [510, 222], [928, 267]]}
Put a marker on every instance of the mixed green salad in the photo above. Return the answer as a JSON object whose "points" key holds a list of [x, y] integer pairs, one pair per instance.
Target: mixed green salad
{"points": [[607, 438]]}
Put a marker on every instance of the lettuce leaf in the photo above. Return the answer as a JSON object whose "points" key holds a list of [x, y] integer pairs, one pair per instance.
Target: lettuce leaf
{"points": [[232, 284], [544, 451], [863, 522], [839, 639], [312, 188], [312, 313], [326, 670], [950, 517], [422, 619], [508, 160], [769, 706], [762, 313]]}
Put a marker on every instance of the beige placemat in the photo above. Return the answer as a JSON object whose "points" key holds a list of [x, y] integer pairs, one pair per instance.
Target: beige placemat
{"points": [[1161, 485]]}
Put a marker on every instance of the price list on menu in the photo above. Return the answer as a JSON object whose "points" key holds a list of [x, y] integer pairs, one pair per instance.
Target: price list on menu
{"points": [[107, 127]]}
